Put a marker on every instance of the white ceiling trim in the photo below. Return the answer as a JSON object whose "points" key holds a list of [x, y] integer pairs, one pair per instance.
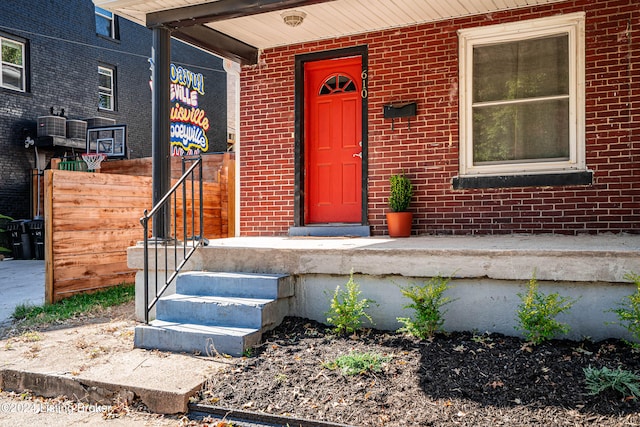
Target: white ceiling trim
{"points": [[332, 19]]}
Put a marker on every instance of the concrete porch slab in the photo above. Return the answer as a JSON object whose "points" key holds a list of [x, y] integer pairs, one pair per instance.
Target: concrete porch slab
{"points": [[605, 257]]}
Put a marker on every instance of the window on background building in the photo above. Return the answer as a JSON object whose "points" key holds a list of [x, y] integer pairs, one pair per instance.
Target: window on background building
{"points": [[106, 88], [106, 23], [13, 75], [522, 97]]}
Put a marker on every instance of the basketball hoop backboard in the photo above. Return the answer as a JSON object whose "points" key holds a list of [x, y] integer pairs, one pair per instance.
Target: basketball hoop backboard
{"points": [[108, 140]]}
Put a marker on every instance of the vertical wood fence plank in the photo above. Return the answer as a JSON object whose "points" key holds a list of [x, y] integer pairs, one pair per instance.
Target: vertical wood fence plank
{"points": [[48, 236]]}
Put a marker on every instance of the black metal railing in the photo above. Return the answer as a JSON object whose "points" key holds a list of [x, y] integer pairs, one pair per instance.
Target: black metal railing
{"points": [[173, 248]]}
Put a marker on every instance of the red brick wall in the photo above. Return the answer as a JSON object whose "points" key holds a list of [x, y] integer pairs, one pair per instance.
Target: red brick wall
{"points": [[421, 63]]}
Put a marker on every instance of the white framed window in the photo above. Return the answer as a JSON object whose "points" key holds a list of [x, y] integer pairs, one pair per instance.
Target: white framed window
{"points": [[12, 65], [106, 99], [105, 23], [522, 97]]}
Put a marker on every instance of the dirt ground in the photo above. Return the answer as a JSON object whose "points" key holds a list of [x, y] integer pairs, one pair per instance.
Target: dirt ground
{"points": [[458, 379]]}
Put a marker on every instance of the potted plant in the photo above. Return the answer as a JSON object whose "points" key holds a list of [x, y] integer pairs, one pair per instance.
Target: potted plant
{"points": [[399, 220]]}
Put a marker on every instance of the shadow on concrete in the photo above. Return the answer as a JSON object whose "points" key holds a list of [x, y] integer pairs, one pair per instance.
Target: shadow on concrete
{"points": [[21, 282]]}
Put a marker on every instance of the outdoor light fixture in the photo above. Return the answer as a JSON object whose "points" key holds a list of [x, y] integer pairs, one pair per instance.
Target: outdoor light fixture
{"points": [[293, 18]]}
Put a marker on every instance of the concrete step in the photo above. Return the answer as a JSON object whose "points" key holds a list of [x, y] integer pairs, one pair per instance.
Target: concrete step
{"points": [[217, 311], [247, 285], [193, 338]]}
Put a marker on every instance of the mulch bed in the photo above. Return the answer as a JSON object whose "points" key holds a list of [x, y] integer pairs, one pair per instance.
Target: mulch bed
{"points": [[460, 379]]}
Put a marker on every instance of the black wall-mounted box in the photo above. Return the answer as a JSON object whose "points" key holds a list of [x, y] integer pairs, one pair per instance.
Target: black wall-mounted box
{"points": [[404, 109]]}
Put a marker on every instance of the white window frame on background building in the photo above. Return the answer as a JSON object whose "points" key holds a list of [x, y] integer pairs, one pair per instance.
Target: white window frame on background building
{"points": [[105, 15], [572, 25], [7, 67], [105, 92]]}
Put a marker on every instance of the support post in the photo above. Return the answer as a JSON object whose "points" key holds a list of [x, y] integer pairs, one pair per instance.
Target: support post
{"points": [[160, 126]]}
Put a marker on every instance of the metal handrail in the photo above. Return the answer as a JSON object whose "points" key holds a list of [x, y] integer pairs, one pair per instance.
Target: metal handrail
{"points": [[168, 243]]}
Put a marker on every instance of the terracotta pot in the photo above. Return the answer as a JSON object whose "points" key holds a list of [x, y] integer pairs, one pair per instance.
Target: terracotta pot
{"points": [[399, 224]]}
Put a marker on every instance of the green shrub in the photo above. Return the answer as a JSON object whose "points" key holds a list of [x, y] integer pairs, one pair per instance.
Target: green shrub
{"points": [[347, 309], [401, 193], [628, 311], [428, 301], [537, 312], [356, 363], [620, 380]]}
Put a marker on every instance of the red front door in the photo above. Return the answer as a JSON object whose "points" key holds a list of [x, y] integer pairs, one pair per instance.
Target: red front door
{"points": [[333, 141]]}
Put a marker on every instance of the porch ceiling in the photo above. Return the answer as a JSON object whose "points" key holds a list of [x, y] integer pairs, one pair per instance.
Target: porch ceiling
{"points": [[239, 29]]}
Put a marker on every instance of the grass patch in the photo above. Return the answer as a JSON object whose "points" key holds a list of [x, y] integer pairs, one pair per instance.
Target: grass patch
{"points": [[356, 363], [30, 315]]}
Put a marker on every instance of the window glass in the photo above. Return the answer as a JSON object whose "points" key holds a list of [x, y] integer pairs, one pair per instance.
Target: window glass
{"points": [[527, 71], [105, 88], [104, 23], [522, 69], [532, 131], [12, 64], [337, 84]]}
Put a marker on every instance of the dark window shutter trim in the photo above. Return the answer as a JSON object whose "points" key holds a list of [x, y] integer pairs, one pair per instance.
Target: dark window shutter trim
{"points": [[533, 180]]}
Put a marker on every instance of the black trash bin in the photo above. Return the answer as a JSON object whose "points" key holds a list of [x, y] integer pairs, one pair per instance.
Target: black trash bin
{"points": [[20, 239], [5, 237], [36, 231]]}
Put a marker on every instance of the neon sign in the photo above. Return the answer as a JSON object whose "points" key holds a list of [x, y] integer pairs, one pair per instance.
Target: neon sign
{"points": [[189, 123]]}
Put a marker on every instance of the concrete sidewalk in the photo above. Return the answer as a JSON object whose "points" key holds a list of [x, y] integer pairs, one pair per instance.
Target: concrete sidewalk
{"points": [[21, 282], [92, 363], [97, 364]]}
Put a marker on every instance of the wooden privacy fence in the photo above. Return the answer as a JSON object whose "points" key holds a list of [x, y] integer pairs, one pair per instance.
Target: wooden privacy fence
{"points": [[92, 218]]}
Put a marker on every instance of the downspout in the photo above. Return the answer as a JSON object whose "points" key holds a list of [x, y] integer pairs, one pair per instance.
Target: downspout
{"points": [[160, 128]]}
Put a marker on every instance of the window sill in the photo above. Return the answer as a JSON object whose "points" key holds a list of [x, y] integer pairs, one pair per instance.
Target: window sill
{"points": [[14, 91], [111, 39], [533, 180]]}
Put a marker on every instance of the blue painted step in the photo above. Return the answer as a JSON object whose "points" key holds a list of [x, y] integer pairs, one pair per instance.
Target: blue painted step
{"points": [[246, 285], [197, 339], [219, 311]]}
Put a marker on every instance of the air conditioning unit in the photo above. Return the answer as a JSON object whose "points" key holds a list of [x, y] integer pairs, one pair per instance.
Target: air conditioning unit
{"points": [[52, 126], [77, 129], [93, 122]]}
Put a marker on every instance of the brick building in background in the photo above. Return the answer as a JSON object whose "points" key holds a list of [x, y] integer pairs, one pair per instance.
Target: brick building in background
{"points": [[68, 55]]}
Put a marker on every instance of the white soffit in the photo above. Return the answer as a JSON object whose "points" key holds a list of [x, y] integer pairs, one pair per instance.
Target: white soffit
{"points": [[325, 20]]}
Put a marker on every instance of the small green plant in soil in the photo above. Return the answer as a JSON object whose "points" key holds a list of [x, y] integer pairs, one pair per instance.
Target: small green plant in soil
{"points": [[356, 363], [624, 382], [427, 302], [68, 308], [537, 313], [347, 310], [628, 311]]}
